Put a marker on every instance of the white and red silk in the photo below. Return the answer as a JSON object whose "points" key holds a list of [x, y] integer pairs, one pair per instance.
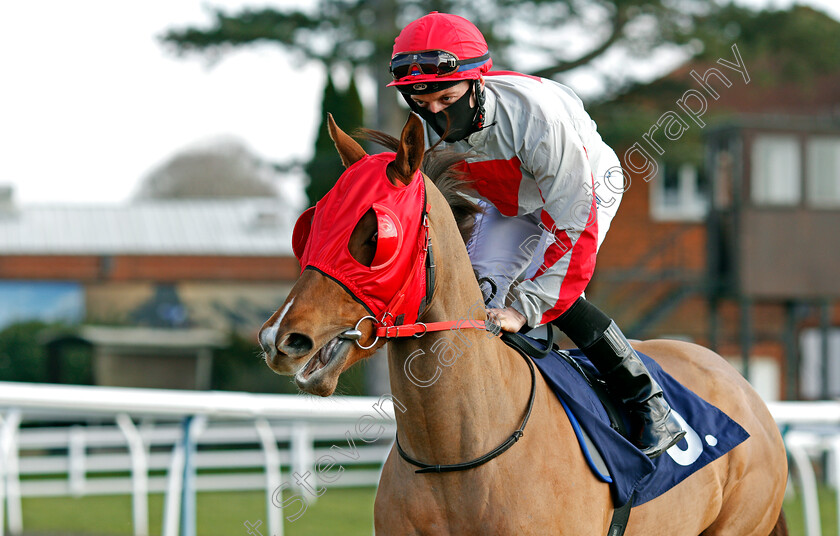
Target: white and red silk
{"points": [[395, 283], [544, 156]]}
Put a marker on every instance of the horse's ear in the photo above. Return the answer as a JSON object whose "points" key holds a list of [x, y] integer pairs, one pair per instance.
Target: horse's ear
{"points": [[411, 149], [348, 149]]}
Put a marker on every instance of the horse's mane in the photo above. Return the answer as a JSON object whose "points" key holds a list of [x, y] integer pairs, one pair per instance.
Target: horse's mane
{"points": [[442, 168]]}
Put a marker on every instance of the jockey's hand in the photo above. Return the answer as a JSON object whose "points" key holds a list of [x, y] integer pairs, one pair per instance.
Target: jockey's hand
{"points": [[508, 318]]}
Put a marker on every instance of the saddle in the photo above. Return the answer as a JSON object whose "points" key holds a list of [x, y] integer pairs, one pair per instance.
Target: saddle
{"points": [[528, 346], [601, 425], [539, 349]]}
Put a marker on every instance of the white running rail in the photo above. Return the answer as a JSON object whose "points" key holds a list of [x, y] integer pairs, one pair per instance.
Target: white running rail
{"points": [[142, 431], [159, 430]]}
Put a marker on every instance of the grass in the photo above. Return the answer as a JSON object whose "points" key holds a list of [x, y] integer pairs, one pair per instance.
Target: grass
{"points": [[348, 512], [828, 513]]}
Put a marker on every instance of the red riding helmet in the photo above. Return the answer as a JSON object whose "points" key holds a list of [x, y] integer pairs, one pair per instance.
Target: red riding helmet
{"points": [[436, 48]]}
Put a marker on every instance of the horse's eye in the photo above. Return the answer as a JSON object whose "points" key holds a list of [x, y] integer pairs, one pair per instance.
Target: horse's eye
{"points": [[366, 238]]}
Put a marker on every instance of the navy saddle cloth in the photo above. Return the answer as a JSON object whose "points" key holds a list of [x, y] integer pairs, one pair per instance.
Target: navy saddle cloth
{"points": [[710, 433]]}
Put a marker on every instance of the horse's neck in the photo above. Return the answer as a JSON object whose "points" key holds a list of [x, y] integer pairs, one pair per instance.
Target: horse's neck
{"points": [[462, 390]]}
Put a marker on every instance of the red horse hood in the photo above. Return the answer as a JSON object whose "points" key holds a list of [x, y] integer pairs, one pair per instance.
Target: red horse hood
{"points": [[395, 281]]}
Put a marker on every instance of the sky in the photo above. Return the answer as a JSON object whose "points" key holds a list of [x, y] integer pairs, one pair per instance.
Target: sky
{"points": [[91, 102]]}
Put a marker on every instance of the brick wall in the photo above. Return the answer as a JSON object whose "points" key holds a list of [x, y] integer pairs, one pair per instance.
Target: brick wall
{"points": [[641, 247], [633, 234], [158, 268]]}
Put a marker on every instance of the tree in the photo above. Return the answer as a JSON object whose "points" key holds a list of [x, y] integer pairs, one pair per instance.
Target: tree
{"points": [[25, 358], [360, 33], [325, 166], [219, 169], [794, 44], [792, 48]]}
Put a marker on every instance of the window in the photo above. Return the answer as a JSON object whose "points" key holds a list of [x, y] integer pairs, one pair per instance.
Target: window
{"points": [[776, 178], [678, 192], [812, 365], [47, 301], [824, 172]]}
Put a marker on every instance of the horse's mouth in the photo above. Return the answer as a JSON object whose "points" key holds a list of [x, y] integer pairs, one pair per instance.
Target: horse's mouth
{"points": [[319, 375]]}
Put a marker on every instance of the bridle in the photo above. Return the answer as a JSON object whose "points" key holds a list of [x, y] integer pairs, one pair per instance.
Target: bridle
{"points": [[386, 330]]}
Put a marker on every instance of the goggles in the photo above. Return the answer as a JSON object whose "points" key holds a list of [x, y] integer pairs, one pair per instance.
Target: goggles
{"points": [[432, 62]]}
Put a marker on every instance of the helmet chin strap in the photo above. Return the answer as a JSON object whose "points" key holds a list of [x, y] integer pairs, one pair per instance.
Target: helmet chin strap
{"points": [[480, 98]]}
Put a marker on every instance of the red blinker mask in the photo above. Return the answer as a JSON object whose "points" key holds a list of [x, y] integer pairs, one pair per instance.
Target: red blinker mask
{"points": [[395, 281]]}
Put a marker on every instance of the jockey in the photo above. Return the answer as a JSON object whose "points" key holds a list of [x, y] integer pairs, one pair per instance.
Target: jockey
{"points": [[551, 187]]}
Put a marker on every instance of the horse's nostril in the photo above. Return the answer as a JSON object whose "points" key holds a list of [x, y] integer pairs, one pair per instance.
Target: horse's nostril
{"points": [[266, 340], [296, 344]]}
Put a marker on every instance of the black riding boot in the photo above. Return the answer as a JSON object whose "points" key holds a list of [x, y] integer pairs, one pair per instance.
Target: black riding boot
{"points": [[654, 427]]}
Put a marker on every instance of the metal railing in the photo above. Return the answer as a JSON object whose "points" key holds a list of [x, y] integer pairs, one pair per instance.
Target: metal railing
{"points": [[74, 439]]}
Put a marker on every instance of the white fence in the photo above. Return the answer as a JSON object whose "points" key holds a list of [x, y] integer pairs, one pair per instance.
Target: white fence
{"points": [[249, 438], [811, 431]]}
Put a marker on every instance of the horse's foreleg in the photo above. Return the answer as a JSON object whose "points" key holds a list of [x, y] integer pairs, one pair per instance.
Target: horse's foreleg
{"points": [[781, 526], [743, 515]]}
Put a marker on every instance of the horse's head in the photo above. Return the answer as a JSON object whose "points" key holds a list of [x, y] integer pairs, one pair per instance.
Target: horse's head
{"points": [[362, 249]]}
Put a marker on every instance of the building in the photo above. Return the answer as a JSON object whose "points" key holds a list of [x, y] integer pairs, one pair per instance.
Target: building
{"points": [[727, 234], [222, 264], [186, 273]]}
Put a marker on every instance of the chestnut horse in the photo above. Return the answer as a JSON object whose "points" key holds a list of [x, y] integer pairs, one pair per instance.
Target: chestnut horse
{"points": [[542, 485]]}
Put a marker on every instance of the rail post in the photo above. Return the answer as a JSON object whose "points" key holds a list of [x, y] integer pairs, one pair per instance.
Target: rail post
{"points": [[139, 475], [9, 473], [272, 476], [193, 426]]}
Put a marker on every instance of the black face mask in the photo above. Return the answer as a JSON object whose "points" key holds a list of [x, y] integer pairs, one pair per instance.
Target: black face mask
{"points": [[459, 117]]}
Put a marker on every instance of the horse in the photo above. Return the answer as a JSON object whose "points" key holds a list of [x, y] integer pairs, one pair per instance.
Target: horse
{"points": [[454, 407]]}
